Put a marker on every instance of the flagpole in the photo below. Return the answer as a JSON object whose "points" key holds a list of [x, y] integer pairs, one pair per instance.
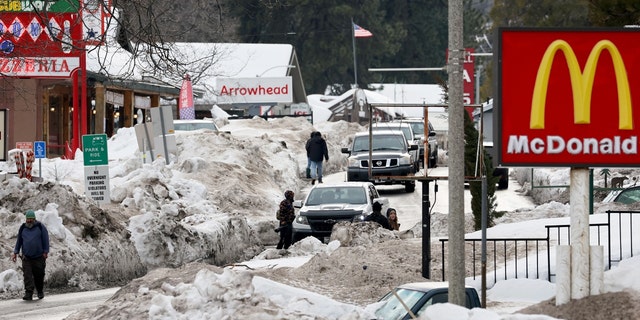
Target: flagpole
{"points": [[355, 66]]}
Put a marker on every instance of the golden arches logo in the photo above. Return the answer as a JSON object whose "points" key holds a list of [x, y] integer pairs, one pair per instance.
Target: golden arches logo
{"points": [[581, 84]]}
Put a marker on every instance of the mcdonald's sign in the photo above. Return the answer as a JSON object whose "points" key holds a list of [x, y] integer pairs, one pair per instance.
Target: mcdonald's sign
{"points": [[568, 98]]}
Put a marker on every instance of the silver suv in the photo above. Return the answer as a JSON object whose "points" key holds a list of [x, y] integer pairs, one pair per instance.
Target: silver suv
{"points": [[390, 159], [326, 204], [417, 125]]}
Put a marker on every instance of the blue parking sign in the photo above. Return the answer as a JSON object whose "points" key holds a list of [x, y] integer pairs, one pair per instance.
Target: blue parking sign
{"points": [[40, 149]]}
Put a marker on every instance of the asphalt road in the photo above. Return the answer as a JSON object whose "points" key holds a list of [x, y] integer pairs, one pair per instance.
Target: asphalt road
{"points": [[409, 205]]}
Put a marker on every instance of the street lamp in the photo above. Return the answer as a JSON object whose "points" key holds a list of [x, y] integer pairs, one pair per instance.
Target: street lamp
{"points": [[289, 66]]}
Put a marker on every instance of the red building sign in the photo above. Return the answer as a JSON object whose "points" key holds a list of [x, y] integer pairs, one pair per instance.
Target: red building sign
{"points": [[567, 97]]}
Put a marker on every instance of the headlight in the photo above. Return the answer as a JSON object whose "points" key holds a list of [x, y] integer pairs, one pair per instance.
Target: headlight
{"points": [[358, 218], [405, 159], [302, 220], [353, 162]]}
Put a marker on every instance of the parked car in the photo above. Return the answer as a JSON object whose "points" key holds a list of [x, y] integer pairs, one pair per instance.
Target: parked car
{"points": [[389, 158], [627, 196], [417, 126], [326, 204], [194, 124], [501, 172], [417, 297], [407, 131]]}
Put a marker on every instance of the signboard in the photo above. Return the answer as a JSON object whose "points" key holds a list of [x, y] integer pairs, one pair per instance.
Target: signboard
{"points": [[3, 132], [568, 97], [254, 90], [96, 183], [24, 146], [40, 149], [469, 77], [95, 149]]}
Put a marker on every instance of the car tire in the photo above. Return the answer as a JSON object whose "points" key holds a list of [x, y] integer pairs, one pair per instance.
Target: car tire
{"points": [[503, 173], [410, 187]]}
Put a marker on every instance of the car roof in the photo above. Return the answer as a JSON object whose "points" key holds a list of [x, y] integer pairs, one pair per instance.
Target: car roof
{"points": [[391, 124], [341, 184], [379, 132]]}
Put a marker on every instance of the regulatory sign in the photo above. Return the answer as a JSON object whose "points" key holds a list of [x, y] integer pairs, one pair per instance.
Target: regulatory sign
{"points": [[24, 146], [96, 183], [95, 149], [40, 149]]}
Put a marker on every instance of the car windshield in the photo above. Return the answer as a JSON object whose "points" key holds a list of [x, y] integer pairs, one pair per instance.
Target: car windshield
{"points": [[379, 142], [329, 195], [393, 308], [628, 196], [190, 126], [418, 128]]}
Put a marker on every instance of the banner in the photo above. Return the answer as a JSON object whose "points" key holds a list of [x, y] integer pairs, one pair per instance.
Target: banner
{"points": [[185, 102]]}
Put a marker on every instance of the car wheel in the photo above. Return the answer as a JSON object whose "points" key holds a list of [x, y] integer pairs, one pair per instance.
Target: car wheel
{"points": [[410, 187]]}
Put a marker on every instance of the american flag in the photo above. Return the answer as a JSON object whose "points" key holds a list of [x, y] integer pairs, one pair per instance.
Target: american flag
{"points": [[360, 32]]}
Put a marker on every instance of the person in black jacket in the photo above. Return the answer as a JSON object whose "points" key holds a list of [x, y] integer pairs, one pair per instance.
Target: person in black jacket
{"points": [[308, 171], [286, 215], [316, 151], [33, 241], [376, 216]]}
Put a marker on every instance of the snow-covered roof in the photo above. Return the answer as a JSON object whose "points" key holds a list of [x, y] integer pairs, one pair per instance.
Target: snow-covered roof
{"points": [[204, 62]]}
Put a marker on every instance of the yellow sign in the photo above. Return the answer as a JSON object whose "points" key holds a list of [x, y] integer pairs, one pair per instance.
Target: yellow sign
{"points": [[581, 84]]}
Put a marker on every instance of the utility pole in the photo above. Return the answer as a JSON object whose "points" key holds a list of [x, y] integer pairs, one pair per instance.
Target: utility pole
{"points": [[456, 252]]}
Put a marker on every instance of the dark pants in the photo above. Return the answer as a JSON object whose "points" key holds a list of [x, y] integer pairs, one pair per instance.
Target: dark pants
{"points": [[33, 270], [285, 236]]}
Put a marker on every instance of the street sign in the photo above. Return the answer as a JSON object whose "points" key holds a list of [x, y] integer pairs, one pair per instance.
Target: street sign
{"points": [[95, 149], [24, 146], [96, 183], [40, 149]]}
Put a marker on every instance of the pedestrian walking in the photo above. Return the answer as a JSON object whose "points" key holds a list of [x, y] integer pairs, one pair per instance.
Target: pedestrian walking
{"points": [[33, 241], [317, 152], [308, 171]]}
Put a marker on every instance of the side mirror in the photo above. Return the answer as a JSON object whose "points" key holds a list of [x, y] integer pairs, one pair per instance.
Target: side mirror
{"points": [[345, 150], [432, 133], [297, 204]]}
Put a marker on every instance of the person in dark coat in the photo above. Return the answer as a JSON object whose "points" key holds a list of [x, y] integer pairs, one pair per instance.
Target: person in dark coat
{"points": [[286, 215], [317, 152], [33, 240], [308, 171], [377, 216]]}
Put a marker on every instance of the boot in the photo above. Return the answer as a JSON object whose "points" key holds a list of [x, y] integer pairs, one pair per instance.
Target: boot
{"points": [[40, 294], [320, 180], [313, 181], [28, 295]]}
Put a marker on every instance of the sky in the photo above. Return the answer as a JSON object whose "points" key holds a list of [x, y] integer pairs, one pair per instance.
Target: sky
{"points": [[214, 204]]}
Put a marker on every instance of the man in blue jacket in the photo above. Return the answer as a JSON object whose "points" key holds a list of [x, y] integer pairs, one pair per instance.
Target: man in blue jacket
{"points": [[33, 239]]}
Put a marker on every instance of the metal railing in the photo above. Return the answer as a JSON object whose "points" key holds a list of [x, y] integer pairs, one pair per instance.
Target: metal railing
{"points": [[531, 257]]}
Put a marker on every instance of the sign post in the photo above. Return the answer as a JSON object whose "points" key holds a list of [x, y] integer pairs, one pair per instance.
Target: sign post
{"points": [[40, 151], [96, 167]]}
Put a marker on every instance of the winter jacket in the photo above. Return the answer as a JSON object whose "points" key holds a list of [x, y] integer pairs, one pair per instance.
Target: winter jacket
{"points": [[33, 241], [286, 212], [317, 149], [379, 218]]}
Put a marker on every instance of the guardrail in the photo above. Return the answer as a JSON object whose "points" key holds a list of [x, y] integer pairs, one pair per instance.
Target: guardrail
{"points": [[509, 258]]}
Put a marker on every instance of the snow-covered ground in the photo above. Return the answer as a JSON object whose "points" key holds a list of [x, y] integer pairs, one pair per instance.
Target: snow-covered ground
{"points": [[192, 239]]}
